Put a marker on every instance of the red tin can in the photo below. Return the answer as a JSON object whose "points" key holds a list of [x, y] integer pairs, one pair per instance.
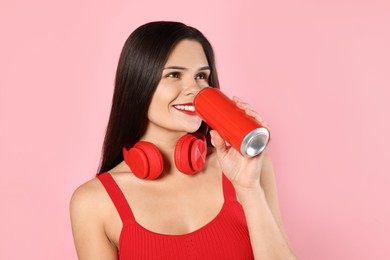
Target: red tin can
{"points": [[240, 130]]}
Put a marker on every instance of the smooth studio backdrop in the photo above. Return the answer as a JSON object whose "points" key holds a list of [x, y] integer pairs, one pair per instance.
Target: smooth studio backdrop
{"points": [[317, 71]]}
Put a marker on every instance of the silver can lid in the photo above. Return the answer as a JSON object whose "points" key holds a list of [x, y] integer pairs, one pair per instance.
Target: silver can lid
{"points": [[254, 142]]}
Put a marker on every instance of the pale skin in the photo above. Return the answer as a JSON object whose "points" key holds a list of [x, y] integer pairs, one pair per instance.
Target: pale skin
{"points": [[182, 203]]}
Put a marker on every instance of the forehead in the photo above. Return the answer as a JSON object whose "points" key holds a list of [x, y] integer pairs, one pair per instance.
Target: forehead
{"points": [[187, 52]]}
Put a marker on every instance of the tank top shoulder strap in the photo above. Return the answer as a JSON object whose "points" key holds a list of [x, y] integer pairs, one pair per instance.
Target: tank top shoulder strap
{"points": [[229, 192], [117, 197]]}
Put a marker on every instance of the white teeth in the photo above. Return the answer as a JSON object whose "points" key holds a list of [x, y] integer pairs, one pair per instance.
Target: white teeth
{"points": [[187, 108]]}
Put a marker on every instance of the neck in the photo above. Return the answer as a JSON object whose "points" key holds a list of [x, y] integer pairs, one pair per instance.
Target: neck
{"points": [[166, 143]]}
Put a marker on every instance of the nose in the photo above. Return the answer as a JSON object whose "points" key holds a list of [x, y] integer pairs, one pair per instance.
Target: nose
{"points": [[193, 88]]}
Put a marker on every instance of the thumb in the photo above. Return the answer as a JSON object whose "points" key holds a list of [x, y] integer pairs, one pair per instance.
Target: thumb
{"points": [[218, 142]]}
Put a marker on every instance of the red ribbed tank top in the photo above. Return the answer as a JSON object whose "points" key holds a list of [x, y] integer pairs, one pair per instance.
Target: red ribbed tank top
{"points": [[224, 237]]}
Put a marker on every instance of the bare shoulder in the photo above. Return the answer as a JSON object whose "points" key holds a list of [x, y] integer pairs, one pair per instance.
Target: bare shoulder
{"points": [[88, 212], [87, 193], [89, 199]]}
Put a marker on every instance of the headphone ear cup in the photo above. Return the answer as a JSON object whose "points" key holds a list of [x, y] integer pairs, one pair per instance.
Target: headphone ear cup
{"points": [[144, 160], [190, 154], [198, 155]]}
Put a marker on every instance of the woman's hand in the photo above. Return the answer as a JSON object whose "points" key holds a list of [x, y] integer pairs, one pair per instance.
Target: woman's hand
{"points": [[243, 172]]}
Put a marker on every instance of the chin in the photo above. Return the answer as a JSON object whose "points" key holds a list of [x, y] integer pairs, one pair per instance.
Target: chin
{"points": [[188, 126], [192, 129]]}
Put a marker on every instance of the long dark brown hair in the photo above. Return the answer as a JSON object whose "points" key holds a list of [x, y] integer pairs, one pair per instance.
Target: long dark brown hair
{"points": [[139, 70]]}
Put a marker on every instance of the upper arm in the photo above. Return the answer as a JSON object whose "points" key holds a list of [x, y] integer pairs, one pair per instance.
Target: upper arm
{"points": [[268, 183], [87, 226]]}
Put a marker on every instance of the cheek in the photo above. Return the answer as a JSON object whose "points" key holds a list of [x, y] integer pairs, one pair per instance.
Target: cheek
{"points": [[165, 95], [204, 84], [160, 103]]}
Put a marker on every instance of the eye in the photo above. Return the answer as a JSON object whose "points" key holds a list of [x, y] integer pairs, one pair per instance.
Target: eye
{"points": [[201, 75], [173, 75]]}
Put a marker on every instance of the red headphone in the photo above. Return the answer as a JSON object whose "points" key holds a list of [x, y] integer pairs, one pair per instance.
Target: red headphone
{"points": [[146, 162]]}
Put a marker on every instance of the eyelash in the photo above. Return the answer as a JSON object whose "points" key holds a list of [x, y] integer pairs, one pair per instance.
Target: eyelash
{"points": [[178, 74], [203, 76], [173, 75]]}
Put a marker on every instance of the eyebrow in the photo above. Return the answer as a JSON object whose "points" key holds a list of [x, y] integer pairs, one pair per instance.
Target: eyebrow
{"points": [[183, 68]]}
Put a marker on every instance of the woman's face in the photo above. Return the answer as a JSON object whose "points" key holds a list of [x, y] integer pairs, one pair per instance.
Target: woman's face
{"points": [[184, 75]]}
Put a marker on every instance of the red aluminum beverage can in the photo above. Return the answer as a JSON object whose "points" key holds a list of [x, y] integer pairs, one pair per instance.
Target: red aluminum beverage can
{"points": [[240, 130]]}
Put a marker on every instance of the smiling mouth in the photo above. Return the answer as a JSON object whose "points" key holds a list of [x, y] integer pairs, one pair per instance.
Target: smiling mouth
{"points": [[186, 108]]}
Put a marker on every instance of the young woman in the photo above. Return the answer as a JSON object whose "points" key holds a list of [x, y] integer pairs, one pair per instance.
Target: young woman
{"points": [[141, 205]]}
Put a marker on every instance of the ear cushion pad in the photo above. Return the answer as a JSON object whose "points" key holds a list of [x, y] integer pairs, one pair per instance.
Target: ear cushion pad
{"points": [[190, 154], [198, 155], [144, 160]]}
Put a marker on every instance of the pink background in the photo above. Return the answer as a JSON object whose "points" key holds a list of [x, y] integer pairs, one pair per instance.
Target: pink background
{"points": [[318, 72]]}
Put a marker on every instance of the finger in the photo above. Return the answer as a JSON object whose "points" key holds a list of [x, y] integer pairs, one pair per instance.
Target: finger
{"points": [[255, 115], [246, 107], [241, 104], [249, 111], [259, 119], [269, 133], [265, 125], [218, 142]]}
